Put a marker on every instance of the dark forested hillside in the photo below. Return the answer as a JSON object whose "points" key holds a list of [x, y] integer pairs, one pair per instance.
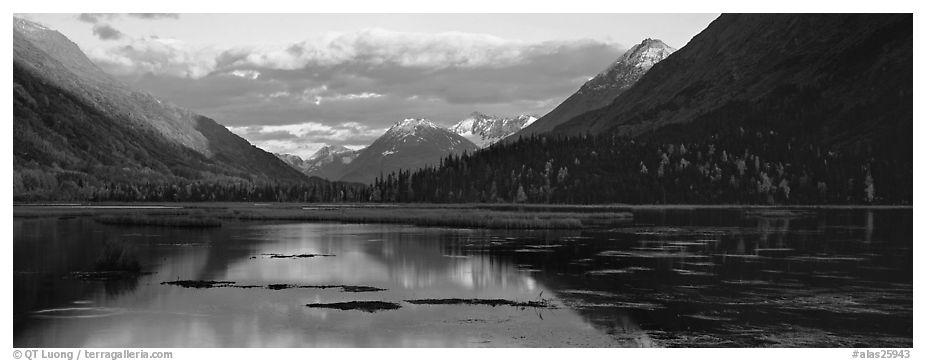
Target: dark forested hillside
{"points": [[603, 88], [757, 109], [78, 134], [738, 166], [842, 79], [64, 149]]}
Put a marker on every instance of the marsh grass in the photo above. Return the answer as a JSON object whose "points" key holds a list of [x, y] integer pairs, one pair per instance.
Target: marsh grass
{"points": [[193, 221], [117, 257], [441, 217], [540, 303], [426, 215], [365, 306]]}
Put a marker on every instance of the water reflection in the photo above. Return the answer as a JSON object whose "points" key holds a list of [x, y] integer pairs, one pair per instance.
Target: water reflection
{"points": [[673, 278]]}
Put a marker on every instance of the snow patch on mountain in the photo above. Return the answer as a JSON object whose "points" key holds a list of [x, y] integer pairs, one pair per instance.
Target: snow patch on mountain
{"points": [[485, 130], [327, 162], [627, 69], [410, 127]]}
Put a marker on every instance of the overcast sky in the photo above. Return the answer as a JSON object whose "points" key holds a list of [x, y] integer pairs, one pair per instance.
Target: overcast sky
{"points": [[292, 82]]}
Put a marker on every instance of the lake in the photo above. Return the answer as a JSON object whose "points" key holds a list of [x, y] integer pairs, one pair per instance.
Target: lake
{"points": [[669, 278]]}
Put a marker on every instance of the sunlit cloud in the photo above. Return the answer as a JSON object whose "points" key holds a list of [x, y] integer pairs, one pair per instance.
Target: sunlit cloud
{"points": [[305, 138], [347, 88]]}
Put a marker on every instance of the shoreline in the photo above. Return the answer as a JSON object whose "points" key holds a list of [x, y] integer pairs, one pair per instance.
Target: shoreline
{"points": [[457, 215], [615, 206], [212, 214]]}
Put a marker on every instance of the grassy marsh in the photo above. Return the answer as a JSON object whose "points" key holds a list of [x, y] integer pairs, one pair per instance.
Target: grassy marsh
{"points": [[426, 215]]}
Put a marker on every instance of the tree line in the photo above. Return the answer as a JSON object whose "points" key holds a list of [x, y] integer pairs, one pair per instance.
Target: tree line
{"points": [[36, 184], [736, 166]]}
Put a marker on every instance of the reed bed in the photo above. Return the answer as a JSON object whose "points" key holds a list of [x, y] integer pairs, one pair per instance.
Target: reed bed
{"points": [[439, 217], [159, 220]]}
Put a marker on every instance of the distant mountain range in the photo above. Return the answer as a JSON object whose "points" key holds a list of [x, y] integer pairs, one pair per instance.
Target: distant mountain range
{"points": [[409, 144], [764, 108], [757, 108], [602, 89], [484, 130], [328, 162], [75, 127]]}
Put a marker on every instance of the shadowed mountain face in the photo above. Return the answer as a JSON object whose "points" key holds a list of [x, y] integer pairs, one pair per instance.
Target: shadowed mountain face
{"points": [[328, 162], [72, 120], [760, 109], [838, 79], [409, 144], [601, 90]]}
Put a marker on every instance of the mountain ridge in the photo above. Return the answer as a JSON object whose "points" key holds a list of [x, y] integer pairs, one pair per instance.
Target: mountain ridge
{"points": [[328, 162], [409, 144], [485, 130], [740, 67], [604, 87], [796, 109], [76, 127]]}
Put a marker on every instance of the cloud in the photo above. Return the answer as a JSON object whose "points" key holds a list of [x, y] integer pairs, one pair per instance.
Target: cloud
{"points": [[248, 74], [155, 55], [378, 47], [94, 18], [154, 16], [347, 88], [303, 139], [371, 50], [106, 32]]}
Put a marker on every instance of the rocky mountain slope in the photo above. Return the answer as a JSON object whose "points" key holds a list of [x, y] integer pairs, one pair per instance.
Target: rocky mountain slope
{"points": [[328, 162], [602, 89], [75, 127], [841, 80], [484, 130], [408, 144]]}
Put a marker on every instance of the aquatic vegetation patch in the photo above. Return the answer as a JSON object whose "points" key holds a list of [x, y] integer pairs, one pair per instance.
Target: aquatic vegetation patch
{"points": [[533, 250], [706, 317], [686, 272], [273, 286], [117, 257], [482, 301], [779, 213], [430, 216], [365, 306], [619, 271], [304, 255], [646, 306], [199, 283], [105, 276], [344, 288], [77, 312], [158, 220], [649, 254]]}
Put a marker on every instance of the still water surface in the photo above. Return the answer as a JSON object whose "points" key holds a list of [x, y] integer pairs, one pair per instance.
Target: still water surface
{"points": [[692, 278]]}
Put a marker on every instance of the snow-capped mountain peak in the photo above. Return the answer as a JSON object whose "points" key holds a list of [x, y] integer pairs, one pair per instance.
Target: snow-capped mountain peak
{"points": [[330, 153], [627, 69], [328, 162], [646, 54], [606, 86], [411, 126], [485, 130], [409, 144]]}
